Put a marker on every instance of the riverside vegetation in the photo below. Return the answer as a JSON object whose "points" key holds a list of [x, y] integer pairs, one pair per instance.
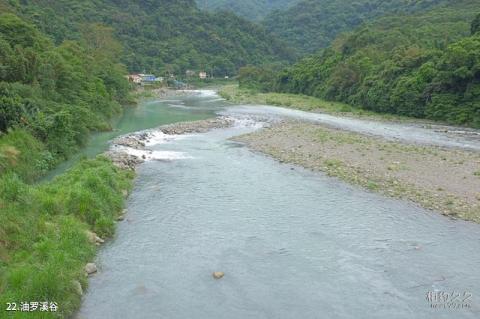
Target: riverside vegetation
{"points": [[51, 97]]}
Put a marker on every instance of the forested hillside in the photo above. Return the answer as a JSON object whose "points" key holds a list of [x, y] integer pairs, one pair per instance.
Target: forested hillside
{"points": [[250, 9], [313, 24], [52, 96], [160, 36], [425, 65]]}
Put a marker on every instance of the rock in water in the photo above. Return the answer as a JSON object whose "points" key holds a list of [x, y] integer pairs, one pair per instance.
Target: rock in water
{"points": [[218, 275], [91, 268]]}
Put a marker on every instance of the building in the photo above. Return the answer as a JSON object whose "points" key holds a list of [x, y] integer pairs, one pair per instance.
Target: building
{"points": [[144, 79], [148, 78], [135, 78], [202, 75]]}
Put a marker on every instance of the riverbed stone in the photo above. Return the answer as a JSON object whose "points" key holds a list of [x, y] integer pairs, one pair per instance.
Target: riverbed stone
{"points": [[90, 268], [78, 287], [93, 238], [218, 275]]}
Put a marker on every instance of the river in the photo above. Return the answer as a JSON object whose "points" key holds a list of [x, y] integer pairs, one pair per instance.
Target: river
{"points": [[292, 243]]}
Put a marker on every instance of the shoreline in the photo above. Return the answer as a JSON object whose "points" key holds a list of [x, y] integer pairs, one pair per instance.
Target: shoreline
{"points": [[130, 150], [315, 105], [451, 186]]}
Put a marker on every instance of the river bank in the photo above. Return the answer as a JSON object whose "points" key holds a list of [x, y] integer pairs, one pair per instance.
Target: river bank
{"points": [[50, 232], [442, 179], [237, 95], [130, 150]]}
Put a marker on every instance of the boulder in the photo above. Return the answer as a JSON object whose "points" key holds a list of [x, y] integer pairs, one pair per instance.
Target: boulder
{"points": [[218, 275], [90, 268], [93, 238]]}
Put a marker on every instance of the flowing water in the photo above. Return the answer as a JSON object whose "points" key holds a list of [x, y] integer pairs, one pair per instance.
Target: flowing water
{"points": [[292, 243], [148, 114], [438, 135]]}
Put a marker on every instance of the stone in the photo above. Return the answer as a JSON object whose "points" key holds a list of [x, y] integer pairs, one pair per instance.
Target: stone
{"points": [[218, 275], [90, 268], [78, 287], [98, 240], [93, 238], [125, 193], [121, 216]]}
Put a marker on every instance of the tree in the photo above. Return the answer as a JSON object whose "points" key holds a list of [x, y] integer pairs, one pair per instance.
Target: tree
{"points": [[476, 25]]}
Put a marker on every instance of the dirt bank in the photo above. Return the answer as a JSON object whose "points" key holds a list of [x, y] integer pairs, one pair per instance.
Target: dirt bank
{"points": [[445, 180]]}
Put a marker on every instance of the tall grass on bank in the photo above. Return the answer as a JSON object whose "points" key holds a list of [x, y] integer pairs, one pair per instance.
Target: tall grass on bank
{"points": [[236, 94], [43, 233]]}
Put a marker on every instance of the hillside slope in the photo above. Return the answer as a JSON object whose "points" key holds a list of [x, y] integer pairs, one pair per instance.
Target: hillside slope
{"points": [[313, 24], [159, 35], [250, 9], [423, 65]]}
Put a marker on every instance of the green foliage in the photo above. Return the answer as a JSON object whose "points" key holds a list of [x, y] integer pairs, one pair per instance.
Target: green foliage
{"points": [[313, 24], [424, 65], [256, 78], [43, 241], [159, 36], [21, 153], [475, 25], [57, 93], [249, 9]]}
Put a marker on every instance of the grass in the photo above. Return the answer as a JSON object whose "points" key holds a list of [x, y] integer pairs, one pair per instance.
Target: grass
{"points": [[43, 241], [21, 153], [233, 93]]}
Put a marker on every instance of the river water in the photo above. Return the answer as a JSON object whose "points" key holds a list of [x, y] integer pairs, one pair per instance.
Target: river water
{"points": [[292, 243]]}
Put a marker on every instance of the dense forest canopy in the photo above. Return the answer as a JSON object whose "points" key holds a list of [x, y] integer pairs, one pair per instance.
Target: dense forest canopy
{"points": [[423, 65], [160, 36], [313, 24], [249, 9]]}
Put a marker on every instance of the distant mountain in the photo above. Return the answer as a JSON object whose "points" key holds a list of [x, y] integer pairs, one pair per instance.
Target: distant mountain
{"points": [[159, 35], [250, 9], [313, 24]]}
